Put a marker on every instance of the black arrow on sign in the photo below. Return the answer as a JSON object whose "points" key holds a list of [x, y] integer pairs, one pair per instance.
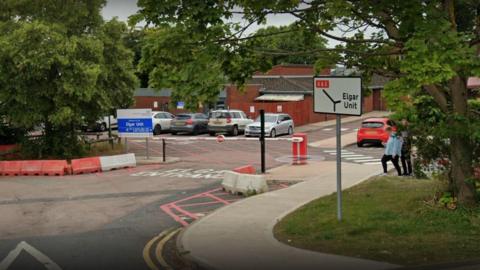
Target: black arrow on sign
{"points": [[333, 101]]}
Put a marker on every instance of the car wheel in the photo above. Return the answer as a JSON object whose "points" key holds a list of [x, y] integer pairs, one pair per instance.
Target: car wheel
{"points": [[174, 133], [212, 133], [157, 130], [102, 127], [290, 131], [235, 131], [273, 133], [360, 144]]}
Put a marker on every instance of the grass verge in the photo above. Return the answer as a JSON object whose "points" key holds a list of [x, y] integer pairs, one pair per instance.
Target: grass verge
{"points": [[386, 219], [105, 149]]}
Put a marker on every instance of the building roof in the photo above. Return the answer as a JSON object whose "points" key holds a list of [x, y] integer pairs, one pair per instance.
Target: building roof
{"points": [[289, 69], [284, 85]]}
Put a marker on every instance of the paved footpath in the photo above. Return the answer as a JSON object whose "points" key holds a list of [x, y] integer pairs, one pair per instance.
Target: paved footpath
{"points": [[240, 236]]}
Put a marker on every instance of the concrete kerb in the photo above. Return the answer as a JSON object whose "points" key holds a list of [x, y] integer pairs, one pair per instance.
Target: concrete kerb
{"points": [[268, 230]]}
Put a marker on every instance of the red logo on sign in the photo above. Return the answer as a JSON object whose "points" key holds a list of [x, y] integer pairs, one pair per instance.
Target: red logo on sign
{"points": [[322, 83]]}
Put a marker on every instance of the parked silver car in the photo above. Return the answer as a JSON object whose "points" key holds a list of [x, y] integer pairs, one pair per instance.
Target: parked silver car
{"points": [[192, 123], [275, 124]]}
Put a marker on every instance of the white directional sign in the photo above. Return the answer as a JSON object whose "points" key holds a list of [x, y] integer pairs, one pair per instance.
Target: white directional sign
{"points": [[338, 95]]}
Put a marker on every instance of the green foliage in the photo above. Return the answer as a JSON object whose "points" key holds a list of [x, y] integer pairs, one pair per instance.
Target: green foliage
{"points": [[55, 75], [427, 48], [176, 61], [279, 42]]}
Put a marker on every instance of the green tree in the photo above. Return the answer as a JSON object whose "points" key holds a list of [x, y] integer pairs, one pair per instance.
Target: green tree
{"points": [[58, 74], [280, 42], [427, 46]]}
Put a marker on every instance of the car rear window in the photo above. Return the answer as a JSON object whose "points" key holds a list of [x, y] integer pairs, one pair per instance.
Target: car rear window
{"points": [[268, 118], [183, 116], [220, 115], [372, 124]]}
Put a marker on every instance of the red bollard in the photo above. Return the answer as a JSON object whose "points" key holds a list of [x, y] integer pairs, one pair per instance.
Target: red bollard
{"points": [[299, 149]]}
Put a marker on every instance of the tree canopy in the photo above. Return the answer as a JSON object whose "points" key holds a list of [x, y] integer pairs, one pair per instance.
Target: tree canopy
{"points": [[61, 67], [424, 47]]}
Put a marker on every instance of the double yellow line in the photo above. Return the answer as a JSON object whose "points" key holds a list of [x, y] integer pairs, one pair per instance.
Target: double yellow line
{"points": [[160, 240]]}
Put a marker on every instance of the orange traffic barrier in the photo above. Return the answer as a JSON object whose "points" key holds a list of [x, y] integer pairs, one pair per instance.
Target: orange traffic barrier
{"points": [[249, 169], [11, 168], [54, 167], [31, 167], [86, 165]]}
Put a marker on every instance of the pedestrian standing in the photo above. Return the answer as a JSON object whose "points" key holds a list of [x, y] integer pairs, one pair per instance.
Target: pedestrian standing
{"points": [[406, 156], [393, 150]]}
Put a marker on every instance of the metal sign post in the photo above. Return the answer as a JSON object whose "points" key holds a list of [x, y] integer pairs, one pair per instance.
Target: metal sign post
{"points": [[339, 96], [262, 139], [339, 167]]}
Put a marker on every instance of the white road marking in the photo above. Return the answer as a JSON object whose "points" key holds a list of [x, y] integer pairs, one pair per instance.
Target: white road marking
{"points": [[39, 256], [344, 129], [367, 160], [185, 173], [359, 158], [343, 153], [334, 151], [327, 129], [351, 155]]}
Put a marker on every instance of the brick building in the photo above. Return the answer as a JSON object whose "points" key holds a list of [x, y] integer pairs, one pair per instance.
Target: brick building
{"points": [[285, 88], [289, 89]]}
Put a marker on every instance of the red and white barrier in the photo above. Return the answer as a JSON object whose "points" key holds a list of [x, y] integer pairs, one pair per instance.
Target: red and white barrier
{"points": [[109, 163]]}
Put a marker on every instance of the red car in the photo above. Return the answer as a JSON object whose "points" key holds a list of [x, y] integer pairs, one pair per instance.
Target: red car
{"points": [[373, 131]]}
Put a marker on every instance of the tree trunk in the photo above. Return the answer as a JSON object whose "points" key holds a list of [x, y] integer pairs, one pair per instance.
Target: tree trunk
{"points": [[460, 146], [462, 170]]}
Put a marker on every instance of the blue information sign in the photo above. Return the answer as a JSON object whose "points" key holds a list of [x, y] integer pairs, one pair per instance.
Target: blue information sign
{"points": [[135, 123]]}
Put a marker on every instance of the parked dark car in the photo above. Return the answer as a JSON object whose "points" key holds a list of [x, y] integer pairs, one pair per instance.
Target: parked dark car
{"points": [[192, 123]]}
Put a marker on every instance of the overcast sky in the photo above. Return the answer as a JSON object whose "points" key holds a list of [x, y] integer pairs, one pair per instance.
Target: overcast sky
{"points": [[124, 8]]}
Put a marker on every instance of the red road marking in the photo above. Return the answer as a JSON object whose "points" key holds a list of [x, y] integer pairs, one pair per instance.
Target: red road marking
{"points": [[205, 203], [167, 208], [177, 218], [217, 198]]}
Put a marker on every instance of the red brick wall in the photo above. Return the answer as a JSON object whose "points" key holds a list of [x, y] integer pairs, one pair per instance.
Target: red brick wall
{"points": [[249, 94], [301, 111]]}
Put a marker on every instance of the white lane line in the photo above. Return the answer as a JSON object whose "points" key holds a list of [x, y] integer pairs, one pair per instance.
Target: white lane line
{"points": [[42, 258], [344, 129], [343, 154], [327, 129], [352, 155], [334, 151], [372, 163], [359, 158], [367, 160]]}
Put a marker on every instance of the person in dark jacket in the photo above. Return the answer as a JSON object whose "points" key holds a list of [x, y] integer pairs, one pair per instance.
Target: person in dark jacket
{"points": [[393, 150], [406, 156]]}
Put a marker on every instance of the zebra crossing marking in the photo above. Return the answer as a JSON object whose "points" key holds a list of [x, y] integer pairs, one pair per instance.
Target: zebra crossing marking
{"points": [[367, 160], [327, 129], [358, 158]]}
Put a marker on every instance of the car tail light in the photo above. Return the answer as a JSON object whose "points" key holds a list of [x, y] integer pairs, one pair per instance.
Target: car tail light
{"points": [[229, 120], [189, 122]]}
